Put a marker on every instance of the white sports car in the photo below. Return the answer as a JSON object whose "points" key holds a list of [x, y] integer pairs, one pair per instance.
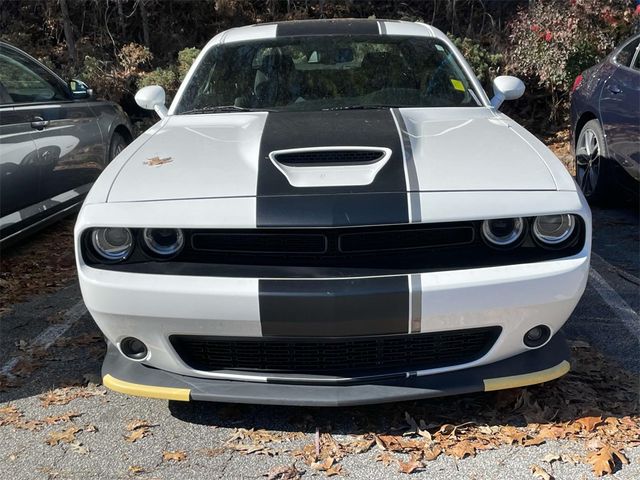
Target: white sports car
{"points": [[332, 213]]}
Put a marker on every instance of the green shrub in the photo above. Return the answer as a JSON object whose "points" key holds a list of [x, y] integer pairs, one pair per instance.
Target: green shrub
{"points": [[169, 77], [554, 40], [186, 58], [165, 77], [114, 79], [486, 65]]}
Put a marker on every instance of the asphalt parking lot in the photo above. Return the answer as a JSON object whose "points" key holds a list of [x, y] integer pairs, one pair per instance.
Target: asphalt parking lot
{"points": [[57, 421]]}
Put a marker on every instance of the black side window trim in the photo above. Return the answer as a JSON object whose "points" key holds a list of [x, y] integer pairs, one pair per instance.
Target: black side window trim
{"points": [[633, 56], [29, 60]]}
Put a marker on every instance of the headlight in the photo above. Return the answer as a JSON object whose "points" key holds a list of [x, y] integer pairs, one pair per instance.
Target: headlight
{"points": [[554, 229], [503, 232], [163, 241], [113, 244]]}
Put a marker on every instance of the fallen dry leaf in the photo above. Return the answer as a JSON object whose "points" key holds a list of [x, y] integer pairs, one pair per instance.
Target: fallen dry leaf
{"points": [[65, 417], [541, 473], [136, 424], [335, 470], [429, 454], [284, 472], [409, 467], [137, 429], [136, 469], [78, 447], [603, 460], [551, 457], [461, 450], [386, 458], [65, 436], [64, 395], [174, 456], [589, 423], [138, 434]]}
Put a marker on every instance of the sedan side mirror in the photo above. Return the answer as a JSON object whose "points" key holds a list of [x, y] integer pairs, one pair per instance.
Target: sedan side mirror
{"points": [[79, 89], [506, 87], [152, 98]]}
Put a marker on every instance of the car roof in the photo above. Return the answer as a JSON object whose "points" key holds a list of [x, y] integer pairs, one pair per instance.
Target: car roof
{"points": [[342, 26]]}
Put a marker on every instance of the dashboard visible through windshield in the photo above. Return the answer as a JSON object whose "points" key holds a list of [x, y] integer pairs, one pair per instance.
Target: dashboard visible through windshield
{"points": [[327, 73]]}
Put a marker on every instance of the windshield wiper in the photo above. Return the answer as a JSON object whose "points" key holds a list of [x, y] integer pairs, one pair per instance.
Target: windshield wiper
{"points": [[216, 109], [361, 107]]}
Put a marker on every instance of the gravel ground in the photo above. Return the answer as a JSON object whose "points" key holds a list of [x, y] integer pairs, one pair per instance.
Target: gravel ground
{"points": [[99, 448]]}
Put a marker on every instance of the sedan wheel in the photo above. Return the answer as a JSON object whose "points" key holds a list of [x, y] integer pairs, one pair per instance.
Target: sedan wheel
{"points": [[592, 167], [588, 161]]}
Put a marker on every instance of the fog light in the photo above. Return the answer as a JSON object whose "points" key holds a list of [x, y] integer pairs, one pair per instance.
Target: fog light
{"points": [[133, 348], [537, 336]]}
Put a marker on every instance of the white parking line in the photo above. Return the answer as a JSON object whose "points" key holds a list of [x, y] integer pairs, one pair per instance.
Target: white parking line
{"points": [[623, 273], [50, 335], [621, 308]]}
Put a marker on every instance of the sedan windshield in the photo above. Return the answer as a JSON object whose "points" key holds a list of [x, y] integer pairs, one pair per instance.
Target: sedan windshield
{"points": [[327, 73]]}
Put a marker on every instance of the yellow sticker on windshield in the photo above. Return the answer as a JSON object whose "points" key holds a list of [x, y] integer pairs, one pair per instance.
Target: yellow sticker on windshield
{"points": [[457, 84]]}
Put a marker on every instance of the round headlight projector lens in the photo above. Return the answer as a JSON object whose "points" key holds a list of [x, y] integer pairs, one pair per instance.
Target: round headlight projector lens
{"points": [[113, 244], [554, 229], [503, 232], [163, 241]]}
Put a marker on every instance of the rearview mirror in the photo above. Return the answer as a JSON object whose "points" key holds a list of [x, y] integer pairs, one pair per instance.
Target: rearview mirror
{"points": [[506, 87], [79, 89], [152, 98]]}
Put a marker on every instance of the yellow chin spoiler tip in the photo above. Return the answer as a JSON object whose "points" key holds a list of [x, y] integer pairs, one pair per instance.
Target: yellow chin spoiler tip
{"points": [[138, 390], [523, 380]]}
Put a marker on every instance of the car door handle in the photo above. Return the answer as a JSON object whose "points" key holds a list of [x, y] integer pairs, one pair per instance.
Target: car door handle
{"points": [[615, 89], [39, 123]]}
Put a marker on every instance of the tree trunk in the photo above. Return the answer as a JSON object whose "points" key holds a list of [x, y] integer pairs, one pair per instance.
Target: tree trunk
{"points": [[68, 32], [123, 26], [145, 24]]}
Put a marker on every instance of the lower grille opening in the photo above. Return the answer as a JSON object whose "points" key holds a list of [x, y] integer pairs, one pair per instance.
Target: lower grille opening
{"points": [[355, 356]]}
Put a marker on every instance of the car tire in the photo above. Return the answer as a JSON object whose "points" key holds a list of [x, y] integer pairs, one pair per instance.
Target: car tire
{"points": [[594, 172], [118, 143]]}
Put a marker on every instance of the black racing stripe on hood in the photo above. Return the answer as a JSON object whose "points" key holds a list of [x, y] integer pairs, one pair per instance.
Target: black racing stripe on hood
{"points": [[327, 27], [280, 204], [334, 308]]}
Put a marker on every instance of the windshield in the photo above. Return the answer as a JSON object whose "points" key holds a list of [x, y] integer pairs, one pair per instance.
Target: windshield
{"points": [[327, 72]]}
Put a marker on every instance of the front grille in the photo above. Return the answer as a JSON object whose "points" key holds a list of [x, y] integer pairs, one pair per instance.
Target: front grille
{"points": [[333, 157], [331, 244], [336, 356], [258, 242]]}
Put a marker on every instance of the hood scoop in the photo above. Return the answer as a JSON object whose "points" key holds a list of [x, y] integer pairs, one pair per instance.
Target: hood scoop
{"points": [[330, 166]]}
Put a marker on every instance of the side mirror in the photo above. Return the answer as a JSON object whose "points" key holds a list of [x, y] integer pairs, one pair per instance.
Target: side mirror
{"points": [[506, 87], [152, 98], [79, 89]]}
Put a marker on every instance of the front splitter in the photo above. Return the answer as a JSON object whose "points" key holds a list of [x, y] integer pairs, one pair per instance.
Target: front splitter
{"points": [[532, 367]]}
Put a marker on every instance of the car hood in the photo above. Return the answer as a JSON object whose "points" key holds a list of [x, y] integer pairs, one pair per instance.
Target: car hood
{"points": [[431, 149]]}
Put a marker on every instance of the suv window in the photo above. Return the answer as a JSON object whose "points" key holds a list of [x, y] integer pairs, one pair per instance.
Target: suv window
{"points": [[24, 81], [625, 55]]}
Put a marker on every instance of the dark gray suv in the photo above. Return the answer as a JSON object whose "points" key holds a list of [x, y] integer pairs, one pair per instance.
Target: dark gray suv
{"points": [[55, 139]]}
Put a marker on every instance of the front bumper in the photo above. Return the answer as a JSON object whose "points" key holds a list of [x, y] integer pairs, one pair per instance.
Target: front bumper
{"points": [[152, 308], [531, 367]]}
